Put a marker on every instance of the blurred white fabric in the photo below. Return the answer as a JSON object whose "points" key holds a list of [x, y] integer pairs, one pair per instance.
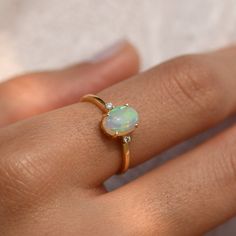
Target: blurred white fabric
{"points": [[44, 34]]}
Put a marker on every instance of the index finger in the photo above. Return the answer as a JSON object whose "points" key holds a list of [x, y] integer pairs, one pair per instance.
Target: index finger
{"points": [[35, 93]]}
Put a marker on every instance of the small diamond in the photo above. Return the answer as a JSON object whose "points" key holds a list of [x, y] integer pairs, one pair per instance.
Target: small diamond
{"points": [[109, 106], [126, 139]]}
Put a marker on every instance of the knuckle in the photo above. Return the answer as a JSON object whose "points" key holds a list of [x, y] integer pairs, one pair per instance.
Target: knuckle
{"points": [[195, 81], [22, 182]]}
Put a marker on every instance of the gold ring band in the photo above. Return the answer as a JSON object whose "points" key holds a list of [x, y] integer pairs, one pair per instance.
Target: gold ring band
{"points": [[117, 122]]}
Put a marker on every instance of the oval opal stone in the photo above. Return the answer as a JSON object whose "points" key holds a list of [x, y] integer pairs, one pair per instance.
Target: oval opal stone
{"points": [[121, 120]]}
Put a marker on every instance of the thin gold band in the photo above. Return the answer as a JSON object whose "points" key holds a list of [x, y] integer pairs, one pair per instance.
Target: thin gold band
{"points": [[125, 146]]}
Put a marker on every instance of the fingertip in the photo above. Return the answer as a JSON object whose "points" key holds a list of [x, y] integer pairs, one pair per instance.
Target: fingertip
{"points": [[112, 65], [122, 48], [117, 62], [122, 63], [132, 57]]}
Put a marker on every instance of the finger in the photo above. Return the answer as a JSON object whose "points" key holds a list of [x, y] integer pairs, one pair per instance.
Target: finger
{"points": [[203, 96], [191, 194], [35, 93], [176, 100]]}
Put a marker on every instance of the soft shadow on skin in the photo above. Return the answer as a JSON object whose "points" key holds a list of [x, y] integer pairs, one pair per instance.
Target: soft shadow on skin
{"points": [[117, 181]]}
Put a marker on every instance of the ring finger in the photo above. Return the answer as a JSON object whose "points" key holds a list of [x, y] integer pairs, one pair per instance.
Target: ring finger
{"points": [[181, 98]]}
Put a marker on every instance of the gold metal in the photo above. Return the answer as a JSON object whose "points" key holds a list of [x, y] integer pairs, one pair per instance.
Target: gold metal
{"points": [[125, 158], [96, 101], [125, 145]]}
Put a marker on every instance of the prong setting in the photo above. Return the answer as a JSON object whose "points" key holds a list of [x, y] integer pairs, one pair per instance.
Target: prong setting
{"points": [[116, 134]]}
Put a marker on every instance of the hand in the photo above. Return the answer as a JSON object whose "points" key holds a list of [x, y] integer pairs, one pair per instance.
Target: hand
{"points": [[53, 165]]}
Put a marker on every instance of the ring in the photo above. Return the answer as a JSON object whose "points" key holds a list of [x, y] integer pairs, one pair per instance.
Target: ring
{"points": [[118, 122]]}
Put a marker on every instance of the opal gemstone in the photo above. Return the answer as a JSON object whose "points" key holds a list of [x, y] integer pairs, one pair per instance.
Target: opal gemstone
{"points": [[120, 120]]}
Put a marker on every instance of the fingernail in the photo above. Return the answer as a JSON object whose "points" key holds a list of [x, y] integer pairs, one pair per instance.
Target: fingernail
{"points": [[109, 52]]}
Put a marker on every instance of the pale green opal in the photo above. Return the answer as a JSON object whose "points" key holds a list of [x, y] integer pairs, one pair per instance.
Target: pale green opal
{"points": [[121, 119]]}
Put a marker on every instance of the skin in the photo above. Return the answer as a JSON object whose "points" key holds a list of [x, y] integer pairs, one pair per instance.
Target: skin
{"points": [[53, 164]]}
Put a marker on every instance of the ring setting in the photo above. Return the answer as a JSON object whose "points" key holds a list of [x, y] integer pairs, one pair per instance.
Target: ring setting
{"points": [[118, 122]]}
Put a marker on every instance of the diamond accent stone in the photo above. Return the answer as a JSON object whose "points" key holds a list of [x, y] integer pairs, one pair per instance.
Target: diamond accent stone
{"points": [[126, 139], [109, 106]]}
